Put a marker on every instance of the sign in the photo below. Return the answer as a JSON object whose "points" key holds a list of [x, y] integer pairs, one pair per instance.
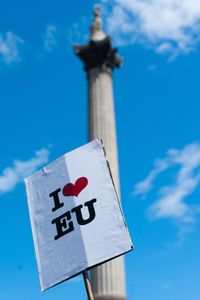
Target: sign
{"points": [[75, 215]]}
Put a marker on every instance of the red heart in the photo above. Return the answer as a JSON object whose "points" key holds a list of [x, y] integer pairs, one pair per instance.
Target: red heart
{"points": [[71, 189]]}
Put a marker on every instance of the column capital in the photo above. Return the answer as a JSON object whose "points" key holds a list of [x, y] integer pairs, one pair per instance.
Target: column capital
{"points": [[98, 54]]}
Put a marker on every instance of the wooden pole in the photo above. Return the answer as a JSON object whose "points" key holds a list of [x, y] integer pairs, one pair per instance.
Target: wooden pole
{"points": [[88, 285]]}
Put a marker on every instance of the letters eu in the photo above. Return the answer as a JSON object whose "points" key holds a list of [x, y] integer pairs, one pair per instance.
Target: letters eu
{"points": [[63, 223]]}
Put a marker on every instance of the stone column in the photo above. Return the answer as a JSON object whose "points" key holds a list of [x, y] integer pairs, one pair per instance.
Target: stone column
{"points": [[107, 279], [102, 115], [100, 59]]}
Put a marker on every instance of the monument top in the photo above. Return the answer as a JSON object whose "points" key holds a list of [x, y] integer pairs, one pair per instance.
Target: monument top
{"points": [[96, 30], [98, 53]]}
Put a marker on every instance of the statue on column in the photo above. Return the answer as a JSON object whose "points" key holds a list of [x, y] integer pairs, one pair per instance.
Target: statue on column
{"points": [[96, 30]]}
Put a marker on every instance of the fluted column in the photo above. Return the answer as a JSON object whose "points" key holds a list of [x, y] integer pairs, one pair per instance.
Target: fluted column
{"points": [[101, 115], [108, 280], [100, 59]]}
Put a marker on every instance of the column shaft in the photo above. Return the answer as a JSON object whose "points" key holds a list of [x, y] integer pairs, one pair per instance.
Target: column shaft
{"points": [[108, 280]]}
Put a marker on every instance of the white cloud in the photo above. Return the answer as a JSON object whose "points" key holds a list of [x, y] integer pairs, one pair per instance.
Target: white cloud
{"points": [[171, 201], [10, 48], [183, 232], [77, 33], [170, 26], [11, 176], [143, 187], [50, 39]]}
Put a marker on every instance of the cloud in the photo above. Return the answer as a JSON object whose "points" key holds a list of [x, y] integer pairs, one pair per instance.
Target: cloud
{"points": [[10, 48], [143, 187], [11, 176], [183, 232], [77, 33], [171, 199], [50, 39], [169, 26]]}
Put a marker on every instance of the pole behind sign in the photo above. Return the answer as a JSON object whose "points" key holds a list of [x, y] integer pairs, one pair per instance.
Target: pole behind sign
{"points": [[88, 285]]}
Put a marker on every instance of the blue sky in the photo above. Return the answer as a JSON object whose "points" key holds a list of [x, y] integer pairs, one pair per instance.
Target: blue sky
{"points": [[44, 115]]}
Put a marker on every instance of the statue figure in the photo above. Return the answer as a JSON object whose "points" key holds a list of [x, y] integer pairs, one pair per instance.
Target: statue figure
{"points": [[96, 31]]}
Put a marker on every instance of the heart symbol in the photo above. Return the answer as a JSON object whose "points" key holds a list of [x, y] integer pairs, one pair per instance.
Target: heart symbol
{"points": [[71, 189]]}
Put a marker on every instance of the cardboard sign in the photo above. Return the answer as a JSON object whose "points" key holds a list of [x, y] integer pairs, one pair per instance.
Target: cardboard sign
{"points": [[75, 215]]}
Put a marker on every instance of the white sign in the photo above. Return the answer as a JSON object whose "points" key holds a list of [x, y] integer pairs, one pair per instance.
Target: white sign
{"points": [[75, 215]]}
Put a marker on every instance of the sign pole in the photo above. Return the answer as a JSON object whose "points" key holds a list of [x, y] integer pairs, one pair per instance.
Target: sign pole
{"points": [[88, 285]]}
